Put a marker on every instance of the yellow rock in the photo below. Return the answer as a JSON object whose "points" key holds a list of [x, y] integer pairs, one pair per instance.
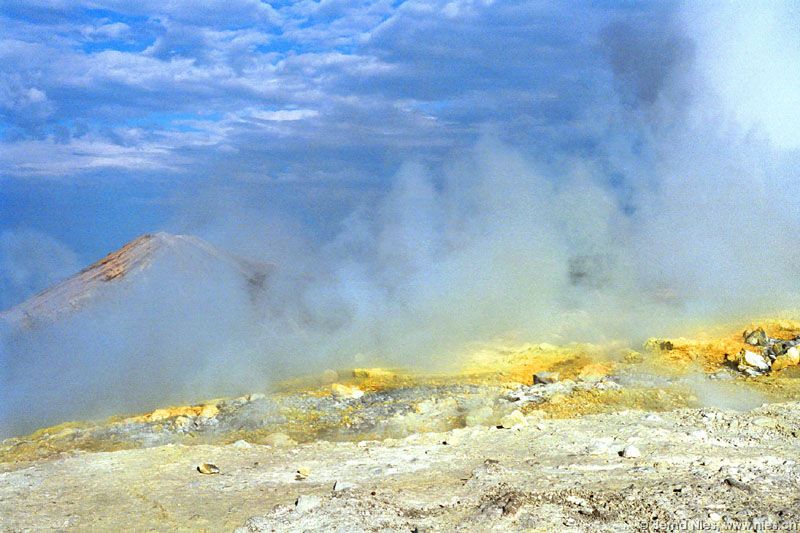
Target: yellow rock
{"points": [[557, 398], [780, 363], [159, 414], [594, 371], [208, 468], [344, 391], [790, 358], [302, 473], [208, 411]]}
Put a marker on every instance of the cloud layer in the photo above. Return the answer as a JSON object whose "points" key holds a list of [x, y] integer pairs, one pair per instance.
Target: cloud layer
{"points": [[169, 86]]}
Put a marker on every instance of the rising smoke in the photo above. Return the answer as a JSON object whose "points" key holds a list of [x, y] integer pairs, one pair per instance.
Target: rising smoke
{"points": [[686, 209]]}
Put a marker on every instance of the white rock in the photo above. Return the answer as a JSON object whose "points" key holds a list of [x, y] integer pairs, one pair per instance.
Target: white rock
{"points": [[242, 444], [543, 378], [305, 503], [343, 485], [630, 451], [577, 500], [765, 422], [755, 360], [514, 418]]}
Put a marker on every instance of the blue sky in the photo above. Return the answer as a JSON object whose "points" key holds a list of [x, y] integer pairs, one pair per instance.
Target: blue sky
{"points": [[115, 115], [111, 113]]}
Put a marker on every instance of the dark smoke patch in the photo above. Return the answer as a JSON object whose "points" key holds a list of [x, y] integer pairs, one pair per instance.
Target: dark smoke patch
{"points": [[645, 60]]}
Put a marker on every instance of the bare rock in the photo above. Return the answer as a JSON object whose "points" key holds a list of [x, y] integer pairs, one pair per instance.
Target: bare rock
{"points": [[302, 473], [346, 392], [790, 358], [305, 503], [208, 468], [343, 485], [756, 337], [514, 418], [753, 360], [630, 452], [544, 378]]}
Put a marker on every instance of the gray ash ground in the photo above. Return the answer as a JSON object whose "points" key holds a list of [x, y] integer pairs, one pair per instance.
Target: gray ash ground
{"points": [[698, 468], [428, 456]]}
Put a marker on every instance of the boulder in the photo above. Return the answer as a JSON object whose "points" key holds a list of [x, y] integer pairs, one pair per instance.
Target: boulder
{"points": [[753, 360], [543, 378], [755, 337], [346, 392], [306, 502], [514, 418]]}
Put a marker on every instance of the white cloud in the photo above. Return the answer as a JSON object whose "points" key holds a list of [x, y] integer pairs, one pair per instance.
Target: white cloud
{"points": [[283, 115], [106, 31]]}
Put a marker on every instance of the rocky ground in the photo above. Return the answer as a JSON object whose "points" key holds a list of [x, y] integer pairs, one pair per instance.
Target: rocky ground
{"points": [[624, 471], [674, 436]]}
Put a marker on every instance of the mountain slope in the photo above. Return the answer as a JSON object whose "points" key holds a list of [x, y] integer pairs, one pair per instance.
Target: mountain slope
{"points": [[191, 254]]}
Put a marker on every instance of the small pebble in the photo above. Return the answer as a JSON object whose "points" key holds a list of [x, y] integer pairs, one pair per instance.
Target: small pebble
{"points": [[208, 468], [630, 451]]}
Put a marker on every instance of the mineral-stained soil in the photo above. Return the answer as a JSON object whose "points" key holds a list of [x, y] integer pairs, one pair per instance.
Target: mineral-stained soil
{"points": [[667, 437]]}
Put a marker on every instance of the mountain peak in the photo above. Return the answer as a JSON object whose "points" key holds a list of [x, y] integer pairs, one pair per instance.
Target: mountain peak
{"points": [[186, 252]]}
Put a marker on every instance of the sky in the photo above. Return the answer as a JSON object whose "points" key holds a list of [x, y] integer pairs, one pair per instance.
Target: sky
{"points": [[119, 118]]}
